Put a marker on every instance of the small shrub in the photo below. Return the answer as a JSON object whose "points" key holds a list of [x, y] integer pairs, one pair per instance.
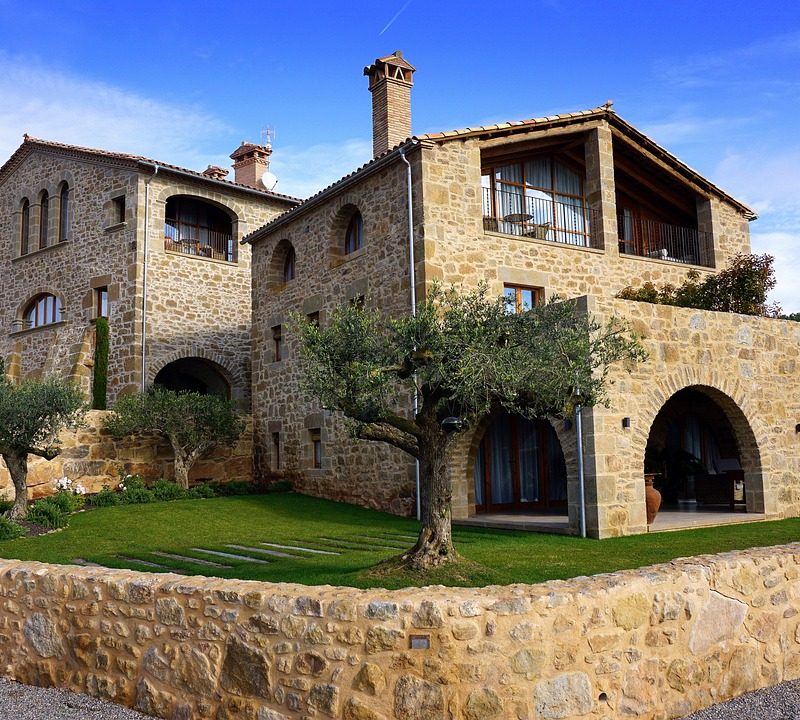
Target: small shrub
{"points": [[105, 498], [203, 490], [166, 490], [136, 496], [47, 514], [280, 486], [9, 530], [132, 482], [67, 502], [234, 487], [5, 506]]}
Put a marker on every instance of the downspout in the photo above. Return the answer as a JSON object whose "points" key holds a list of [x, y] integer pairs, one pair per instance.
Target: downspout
{"points": [[144, 273], [412, 278]]}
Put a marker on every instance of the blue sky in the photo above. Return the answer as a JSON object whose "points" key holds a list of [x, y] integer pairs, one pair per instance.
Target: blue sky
{"points": [[716, 83]]}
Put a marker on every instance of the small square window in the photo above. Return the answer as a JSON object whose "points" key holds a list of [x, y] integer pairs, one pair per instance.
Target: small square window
{"points": [[313, 319], [359, 302], [277, 343], [101, 301], [316, 447], [520, 298]]}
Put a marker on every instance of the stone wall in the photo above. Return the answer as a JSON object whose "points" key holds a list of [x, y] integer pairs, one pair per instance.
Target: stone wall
{"points": [[654, 643], [94, 459], [370, 474]]}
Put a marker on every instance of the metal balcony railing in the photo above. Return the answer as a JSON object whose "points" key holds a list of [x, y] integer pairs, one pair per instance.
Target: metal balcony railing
{"points": [[526, 214], [199, 240], [648, 238]]}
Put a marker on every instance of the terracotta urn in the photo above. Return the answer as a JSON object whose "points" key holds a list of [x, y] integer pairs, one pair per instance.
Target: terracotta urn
{"points": [[652, 498]]}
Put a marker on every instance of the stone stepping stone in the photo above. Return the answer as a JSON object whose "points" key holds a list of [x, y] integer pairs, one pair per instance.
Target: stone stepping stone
{"points": [[231, 556], [85, 563], [264, 551], [148, 563], [352, 544], [187, 559], [300, 548]]}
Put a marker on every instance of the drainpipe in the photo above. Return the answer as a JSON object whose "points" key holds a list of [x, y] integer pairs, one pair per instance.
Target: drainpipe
{"points": [[144, 273], [412, 278], [581, 477]]}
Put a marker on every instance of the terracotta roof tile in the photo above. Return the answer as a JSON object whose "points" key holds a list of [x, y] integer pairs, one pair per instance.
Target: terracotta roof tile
{"points": [[30, 143]]}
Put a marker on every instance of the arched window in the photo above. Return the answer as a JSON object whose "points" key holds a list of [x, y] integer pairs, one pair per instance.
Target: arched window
{"points": [[63, 214], [44, 309], [354, 237], [25, 227], [288, 265], [44, 206]]}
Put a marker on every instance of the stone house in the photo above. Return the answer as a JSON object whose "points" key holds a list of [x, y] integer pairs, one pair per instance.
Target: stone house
{"points": [[151, 246], [578, 205]]}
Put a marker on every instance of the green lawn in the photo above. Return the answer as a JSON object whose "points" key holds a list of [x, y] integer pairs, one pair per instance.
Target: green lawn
{"points": [[131, 536]]}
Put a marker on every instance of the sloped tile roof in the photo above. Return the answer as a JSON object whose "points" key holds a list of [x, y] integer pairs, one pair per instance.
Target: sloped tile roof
{"points": [[29, 144]]}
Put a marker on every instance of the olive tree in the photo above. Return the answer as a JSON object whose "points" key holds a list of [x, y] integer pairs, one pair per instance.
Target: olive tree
{"points": [[464, 355], [191, 422], [32, 415]]}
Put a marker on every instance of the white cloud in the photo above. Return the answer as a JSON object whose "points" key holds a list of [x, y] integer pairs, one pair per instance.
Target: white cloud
{"points": [[785, 247], [57, 106]]}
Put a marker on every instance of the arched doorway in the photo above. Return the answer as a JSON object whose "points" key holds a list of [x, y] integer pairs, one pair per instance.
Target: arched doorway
{"points": [[194, 374], [701, 450], [519, 466]]}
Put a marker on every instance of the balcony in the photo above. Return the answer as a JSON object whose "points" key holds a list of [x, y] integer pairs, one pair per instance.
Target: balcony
{"points": [[198, 240], [661, 241], [538, 215]]}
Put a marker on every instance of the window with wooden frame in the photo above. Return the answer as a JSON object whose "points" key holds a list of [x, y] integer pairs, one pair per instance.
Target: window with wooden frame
{"points": [[101, 301], [288, 265], [540, 197], [44, 309], [520, 298], [63, 213], [118, 210], [25, 227], [277, 343], [44, 211], [354, 235], [315, 436]]}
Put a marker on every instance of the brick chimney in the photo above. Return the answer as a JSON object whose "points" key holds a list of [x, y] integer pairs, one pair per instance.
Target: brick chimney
{"points": [[215, 172], [250, 162], [390, 81]]}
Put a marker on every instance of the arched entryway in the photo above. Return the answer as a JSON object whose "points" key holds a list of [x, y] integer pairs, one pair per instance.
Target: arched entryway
{"points": [[703, 454], [194, 374], [519, 467]]}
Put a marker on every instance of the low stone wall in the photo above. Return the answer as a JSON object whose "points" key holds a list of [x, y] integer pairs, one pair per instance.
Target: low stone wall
{"points": [[658, 642], [94, 459]]}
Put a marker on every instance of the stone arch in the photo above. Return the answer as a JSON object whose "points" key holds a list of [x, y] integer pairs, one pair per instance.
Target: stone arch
{"points": [[235, 380], [276, 271], [732, 399], [340, 218]]}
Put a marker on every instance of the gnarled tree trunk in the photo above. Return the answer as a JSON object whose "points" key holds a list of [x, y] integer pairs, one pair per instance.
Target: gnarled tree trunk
{"points": [[17, 465], [434, 546]]}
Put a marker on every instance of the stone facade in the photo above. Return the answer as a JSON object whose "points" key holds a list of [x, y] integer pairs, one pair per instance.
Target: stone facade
{"points": [[93, 459], [197, 306], [456, 243], [655, 643]]}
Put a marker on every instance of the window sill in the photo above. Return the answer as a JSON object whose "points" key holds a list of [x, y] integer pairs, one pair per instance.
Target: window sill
{"points": [[115, 227], [27, 331], [338, 260], [39, 251]]}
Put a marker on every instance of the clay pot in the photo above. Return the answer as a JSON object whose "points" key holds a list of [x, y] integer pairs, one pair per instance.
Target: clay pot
{"points": [[652, 498]]}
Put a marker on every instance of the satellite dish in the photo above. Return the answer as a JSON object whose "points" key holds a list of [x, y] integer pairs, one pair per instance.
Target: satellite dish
{"points": [[268, 180]]}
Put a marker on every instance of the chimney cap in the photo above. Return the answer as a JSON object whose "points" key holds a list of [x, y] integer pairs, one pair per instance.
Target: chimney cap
{"points": [[396, 59], [250, 150], [215, 171]]}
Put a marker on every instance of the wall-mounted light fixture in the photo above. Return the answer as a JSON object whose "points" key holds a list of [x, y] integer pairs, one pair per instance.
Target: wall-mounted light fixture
{"points": [[626, 423]]}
